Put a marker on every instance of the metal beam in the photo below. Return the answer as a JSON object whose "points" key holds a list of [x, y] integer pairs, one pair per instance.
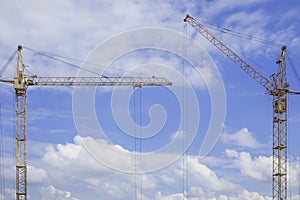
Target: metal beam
{"points": [[245, 66], [98, 81], [21, 82]]}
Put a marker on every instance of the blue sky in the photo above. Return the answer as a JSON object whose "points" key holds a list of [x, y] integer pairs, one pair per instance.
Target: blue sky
{"points": [[213, 107]]}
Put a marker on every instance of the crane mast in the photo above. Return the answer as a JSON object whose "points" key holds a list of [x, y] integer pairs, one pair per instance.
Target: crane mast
{"points": [[21, 158], [21, 82], [280, 132], [276, 86]]}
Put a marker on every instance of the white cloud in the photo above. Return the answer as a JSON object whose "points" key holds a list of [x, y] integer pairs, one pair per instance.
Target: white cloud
{"points": [[58, 32], [295, 197], [294, 174], [51, 192], [215, 8], [169, 180], [199, 194], [246, 195], [46, 114], [67, 171], [70, 163], [73, 29], [242, 138], [36, 175], [209, 180], [259, 168], [10, 194]]}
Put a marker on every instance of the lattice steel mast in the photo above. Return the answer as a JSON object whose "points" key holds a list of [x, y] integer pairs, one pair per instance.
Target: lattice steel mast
{"points": [[21, 160], [277, 86], [22, 81], [280, 132]]}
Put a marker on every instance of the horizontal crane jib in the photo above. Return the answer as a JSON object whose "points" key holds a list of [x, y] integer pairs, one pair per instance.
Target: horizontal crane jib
{"points": [[98, 81]]}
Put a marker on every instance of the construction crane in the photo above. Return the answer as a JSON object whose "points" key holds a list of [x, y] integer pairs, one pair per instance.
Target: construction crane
{"points": [[21, 83], [277, 86]]}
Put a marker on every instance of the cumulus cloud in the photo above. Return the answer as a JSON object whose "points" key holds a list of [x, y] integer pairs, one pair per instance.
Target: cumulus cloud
{"points": [[73, 29], [293, 174], [243, 138], [36, 175], [259, 168], [68, 171], [246, 195], [209, 179], [177, 196], [51, 192], [243, 194], [71, 163]]}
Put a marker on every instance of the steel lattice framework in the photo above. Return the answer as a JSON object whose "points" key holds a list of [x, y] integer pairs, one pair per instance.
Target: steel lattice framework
{"points": [[21, 162], [21, 83], [277, 86]]}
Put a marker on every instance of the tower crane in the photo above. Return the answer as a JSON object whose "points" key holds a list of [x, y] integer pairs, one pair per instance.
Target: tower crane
{"points": [[21, 82], [277, 86]]}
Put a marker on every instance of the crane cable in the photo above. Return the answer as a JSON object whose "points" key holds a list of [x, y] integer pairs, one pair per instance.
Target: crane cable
{"points": [[298, 176], [2, 174], [138, 147], [135, 144], [227, 31], [4, 68], [243, 36], [184, 159], [60, 59], [294, 69], [54, 57], [239, 34]]}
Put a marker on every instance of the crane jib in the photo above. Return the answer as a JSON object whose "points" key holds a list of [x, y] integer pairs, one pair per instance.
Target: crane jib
{"points": [[277, 86], [234, 57]]}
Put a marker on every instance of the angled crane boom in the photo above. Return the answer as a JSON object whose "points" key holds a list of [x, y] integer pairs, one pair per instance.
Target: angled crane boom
{"points": [[251, 71], [21, 83], [277, 86]]}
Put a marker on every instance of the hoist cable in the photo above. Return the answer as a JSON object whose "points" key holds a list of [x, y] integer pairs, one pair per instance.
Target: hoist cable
{"points": [[298, 176], [2, 180], [4, 68], [14, 144], [184, 159], [140, 145], [135, 144]]}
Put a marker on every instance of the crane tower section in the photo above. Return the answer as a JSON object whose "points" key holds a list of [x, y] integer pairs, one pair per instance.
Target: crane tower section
{"points": [[21, 161], [21, 81], [279, 165], [277, 87]]}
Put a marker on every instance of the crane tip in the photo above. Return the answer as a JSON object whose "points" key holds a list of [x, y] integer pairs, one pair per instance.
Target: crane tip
{"points": [[187, 16]]}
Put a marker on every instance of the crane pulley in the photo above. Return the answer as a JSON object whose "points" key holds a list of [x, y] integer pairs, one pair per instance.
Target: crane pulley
{"points": [[276, 86]]}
